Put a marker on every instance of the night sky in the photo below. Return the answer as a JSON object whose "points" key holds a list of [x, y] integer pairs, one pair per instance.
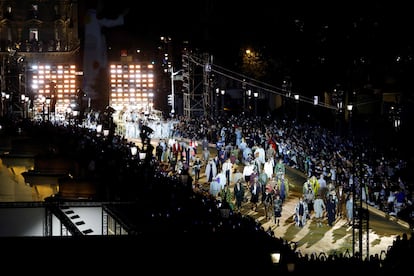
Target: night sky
{"points": [[337, 38], [318, 45], [219, 23]]}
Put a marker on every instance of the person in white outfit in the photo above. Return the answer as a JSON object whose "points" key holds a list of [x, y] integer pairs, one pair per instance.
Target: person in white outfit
{"points": [[318, 207], [247, 172], [227, 169], [260, 154], [268, 167]]}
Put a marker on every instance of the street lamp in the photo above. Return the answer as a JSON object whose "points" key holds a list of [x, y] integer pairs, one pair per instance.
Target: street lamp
{"points": [[287, 87], [3, 98], [23, 103], [27, 102], [338, 119], [134, 151], [296, 97], [349, 107], [216, 101], [248, 94], [255, 95], [98, 127], [7, 103], [222, 99], [395, 117]]}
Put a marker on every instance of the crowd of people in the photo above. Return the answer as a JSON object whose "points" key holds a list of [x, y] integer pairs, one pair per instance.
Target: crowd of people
{"points": [[172, 190], [334, 165]]}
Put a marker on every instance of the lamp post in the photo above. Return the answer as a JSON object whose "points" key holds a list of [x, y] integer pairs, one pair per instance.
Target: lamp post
{"points": [[286, 86], [243, 95], [296, 96], [395, 117], [248, 94], [255, 95], [216, 101], [23, 104], [338, 119], [349, 107], [3, 98], [222, 92], [7, 103], [27, 106]]}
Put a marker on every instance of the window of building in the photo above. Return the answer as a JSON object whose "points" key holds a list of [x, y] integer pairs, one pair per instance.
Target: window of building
{"points": [[33, 34], [8, 12], [35, 10]]}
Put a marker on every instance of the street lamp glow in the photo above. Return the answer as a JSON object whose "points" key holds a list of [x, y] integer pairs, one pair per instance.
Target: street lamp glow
{"points": [[134, 150], [349, 107]]}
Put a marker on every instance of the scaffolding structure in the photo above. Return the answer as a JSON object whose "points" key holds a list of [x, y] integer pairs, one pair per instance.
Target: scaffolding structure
{"points": [[196, 87]]}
